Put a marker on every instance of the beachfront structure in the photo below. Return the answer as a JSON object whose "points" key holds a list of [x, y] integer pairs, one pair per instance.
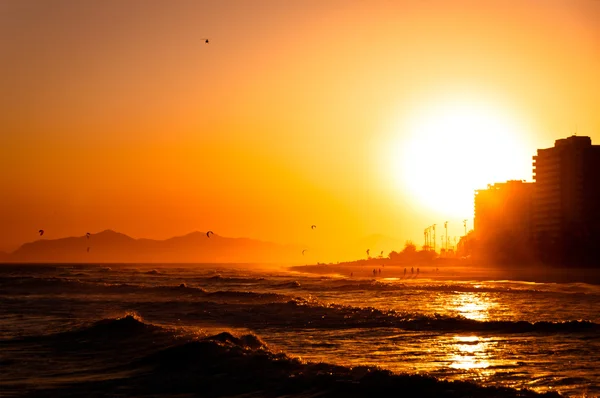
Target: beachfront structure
{"points": [[503, 218], [566, 216]]}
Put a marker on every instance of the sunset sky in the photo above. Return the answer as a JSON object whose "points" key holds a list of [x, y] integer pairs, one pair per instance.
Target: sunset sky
{"points": [[361, 117]]}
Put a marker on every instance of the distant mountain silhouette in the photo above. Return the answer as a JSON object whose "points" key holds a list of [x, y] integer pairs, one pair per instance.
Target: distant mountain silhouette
{"points": [[114, 247]]}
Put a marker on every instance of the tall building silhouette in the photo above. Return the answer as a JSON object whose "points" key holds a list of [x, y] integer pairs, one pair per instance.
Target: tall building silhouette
{"points": [[504, 220], [566, 212]]}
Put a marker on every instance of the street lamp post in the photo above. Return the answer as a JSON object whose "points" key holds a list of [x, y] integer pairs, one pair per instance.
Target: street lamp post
{"points": [[446, 227]]}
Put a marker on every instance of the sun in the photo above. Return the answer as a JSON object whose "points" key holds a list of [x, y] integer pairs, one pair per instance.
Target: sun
{"points": [[451, 149]]}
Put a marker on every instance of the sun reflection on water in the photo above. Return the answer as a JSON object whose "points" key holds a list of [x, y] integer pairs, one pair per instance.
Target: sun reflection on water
{"points": [[470, 352], [472, 306]]}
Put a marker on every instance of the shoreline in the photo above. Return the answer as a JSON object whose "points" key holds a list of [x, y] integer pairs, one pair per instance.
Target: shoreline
{"points": [[439, 269], [454, 271]]}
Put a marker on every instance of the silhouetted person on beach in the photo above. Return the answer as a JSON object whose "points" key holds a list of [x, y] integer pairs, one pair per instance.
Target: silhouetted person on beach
{"points": [[379, 271], [351, 274], [417, 271], [404, 271], [412, 270]]}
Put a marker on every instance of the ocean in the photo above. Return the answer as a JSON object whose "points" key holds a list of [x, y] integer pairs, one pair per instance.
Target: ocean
{"points": [[249, 330]]}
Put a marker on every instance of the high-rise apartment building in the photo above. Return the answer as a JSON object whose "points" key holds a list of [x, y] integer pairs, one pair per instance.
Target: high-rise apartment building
{"points": [[566, 211], [503, 220]]}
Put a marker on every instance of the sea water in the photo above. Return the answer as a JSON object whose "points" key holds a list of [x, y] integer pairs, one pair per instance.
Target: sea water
{"points": [[174, 330]]}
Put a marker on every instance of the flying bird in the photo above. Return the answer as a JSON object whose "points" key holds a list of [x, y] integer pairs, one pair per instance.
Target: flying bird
{"points": [[205, 41], [87, 235], [313, 226], [208, 233], [303, 251], [41, 231], [368, 250]]}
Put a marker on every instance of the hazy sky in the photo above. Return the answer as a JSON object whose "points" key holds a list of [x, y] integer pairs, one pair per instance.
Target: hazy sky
{"points": [[358, 116]]}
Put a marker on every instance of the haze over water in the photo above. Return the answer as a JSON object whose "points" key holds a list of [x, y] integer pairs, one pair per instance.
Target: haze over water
{"points": [[541, 336]]}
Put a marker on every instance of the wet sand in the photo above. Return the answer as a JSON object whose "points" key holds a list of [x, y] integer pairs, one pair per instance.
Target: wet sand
{"points": [[457, 271]]}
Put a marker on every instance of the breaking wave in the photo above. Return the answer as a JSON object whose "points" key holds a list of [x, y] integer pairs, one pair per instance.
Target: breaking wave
{"points": [[159, 362], [28, 285], [301, 313], [510, 288]]}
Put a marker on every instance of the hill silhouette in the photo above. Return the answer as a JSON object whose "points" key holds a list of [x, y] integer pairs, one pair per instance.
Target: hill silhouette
{"points": [[113, 247]]}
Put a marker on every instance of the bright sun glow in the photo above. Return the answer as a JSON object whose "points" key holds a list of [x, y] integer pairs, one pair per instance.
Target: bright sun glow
{"points": [[454, 148]]}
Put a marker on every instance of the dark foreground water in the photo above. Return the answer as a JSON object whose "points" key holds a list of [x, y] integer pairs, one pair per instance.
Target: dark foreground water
{"points": [[244, 331]]}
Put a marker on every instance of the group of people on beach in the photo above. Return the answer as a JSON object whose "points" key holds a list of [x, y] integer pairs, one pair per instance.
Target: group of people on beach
{"points": [[377, 272]]}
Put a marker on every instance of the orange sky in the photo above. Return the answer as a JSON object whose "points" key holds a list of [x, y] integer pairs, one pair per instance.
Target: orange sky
{"points": [[117, 115]]}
